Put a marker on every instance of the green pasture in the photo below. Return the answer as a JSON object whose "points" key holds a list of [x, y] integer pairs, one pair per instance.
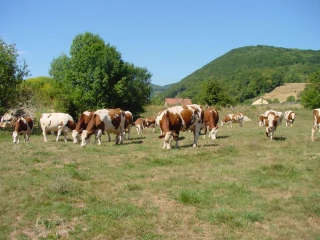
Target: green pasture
{"points": [[239, 186]]}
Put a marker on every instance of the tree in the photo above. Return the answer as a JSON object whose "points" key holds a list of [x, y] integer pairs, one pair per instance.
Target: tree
{"points": [[215, 94], [95, 76], [12, 73], [310, 97]]}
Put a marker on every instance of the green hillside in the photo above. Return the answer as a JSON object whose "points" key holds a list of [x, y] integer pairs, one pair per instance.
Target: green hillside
{"points": [[248, 72]]}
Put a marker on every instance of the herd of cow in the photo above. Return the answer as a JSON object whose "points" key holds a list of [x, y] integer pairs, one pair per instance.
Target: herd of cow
{"points": [[171, 122]]}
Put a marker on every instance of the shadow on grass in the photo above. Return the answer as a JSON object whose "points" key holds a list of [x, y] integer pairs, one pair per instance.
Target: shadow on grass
{"points": [[136, 138], [210, 145], [222, 137], [279, 138], [132, 142]]}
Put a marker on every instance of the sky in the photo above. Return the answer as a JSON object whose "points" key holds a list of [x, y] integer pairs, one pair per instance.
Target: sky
{"points": [[172, 39]]}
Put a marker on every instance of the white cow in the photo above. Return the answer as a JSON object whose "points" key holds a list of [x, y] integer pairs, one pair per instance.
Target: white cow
{"points": [[56, 122]]}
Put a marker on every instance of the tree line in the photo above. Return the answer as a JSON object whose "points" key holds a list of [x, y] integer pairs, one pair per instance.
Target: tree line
{"points": [[95, 76], [92, 76]]}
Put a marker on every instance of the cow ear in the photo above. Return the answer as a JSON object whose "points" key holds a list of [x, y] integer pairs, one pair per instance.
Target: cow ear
{"points": [[161, 136]]}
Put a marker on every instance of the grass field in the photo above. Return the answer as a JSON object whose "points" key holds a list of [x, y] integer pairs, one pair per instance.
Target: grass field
{"points": [[239, 186]]}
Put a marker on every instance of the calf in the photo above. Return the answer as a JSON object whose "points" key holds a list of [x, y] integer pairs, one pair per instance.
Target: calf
{"points": [[176, 119], [150, 122], [316, 122], [289, 117], [211, 119], [22, 126], [56, 122], [233, 118], [82, 124], [105, 120], [139, 124]]}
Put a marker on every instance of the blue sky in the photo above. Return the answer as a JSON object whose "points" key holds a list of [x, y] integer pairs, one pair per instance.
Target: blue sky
{"points": [[172, 39]]}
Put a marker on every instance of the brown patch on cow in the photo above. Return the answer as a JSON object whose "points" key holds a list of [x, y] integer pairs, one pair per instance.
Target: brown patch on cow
{"points": [[94, 124], [83, 122], [186, 114], [211, 118], [71, 124], [20, 126], [115, 116]]}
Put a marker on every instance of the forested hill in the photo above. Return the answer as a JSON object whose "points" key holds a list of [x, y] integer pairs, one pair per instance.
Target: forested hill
{"points": [[248, 72]]}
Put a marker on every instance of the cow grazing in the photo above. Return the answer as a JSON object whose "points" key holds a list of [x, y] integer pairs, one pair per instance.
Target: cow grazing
{"points": [[289, 117], [56, 122], [82, 124], [139, 124], [211, 119], [128, 123], [150, 122], [233, 118], [316, 122], [23, 125], [105, 120], [176, 119], [271, 121]]}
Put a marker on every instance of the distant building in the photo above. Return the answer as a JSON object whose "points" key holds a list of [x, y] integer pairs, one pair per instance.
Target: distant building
{"points": [[260, 101], [177, 101]]}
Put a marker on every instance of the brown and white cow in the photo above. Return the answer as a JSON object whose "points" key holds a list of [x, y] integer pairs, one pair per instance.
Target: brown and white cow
{"points": [[128, 123], [139, 124], [266, 113], [211, 119], [23, 125], [271, 121], [201, 112], [316, 122], [289, 117], [176, 119], [82, 124], [105, 120], [233, 118], [150, 122], [56, 122]]}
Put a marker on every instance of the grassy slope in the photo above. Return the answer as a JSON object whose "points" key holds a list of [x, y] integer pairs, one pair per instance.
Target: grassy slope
{"points": [[240, 186]]}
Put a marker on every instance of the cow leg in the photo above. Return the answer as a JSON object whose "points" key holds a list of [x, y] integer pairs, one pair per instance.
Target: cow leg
{"points": [[44, 135], [58, 134], [98, 136], [195, 136]]}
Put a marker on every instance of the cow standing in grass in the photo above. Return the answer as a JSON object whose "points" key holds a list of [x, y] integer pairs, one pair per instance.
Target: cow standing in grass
{"points": [[82, 124], [23, 125], [316, 122], [139, 124], [105, 120], [56, 122], [176, 119], [233, 118], [128, 123], [271, 121], [211, 119], [289, 117]]}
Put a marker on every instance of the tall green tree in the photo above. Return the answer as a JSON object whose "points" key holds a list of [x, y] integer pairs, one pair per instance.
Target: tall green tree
{"points": [[12, 73], [310, 97], [95, 76], [216, 94]]}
